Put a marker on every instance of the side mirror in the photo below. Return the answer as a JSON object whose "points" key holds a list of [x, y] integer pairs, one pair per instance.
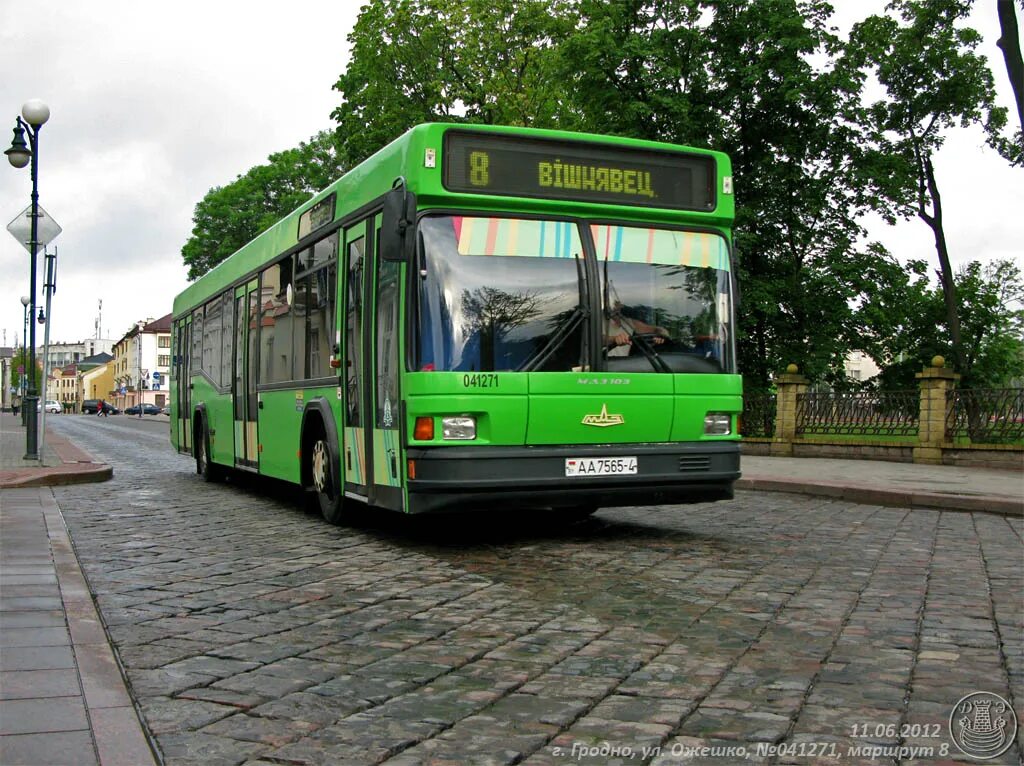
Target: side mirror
{"points": [[396, 240]]}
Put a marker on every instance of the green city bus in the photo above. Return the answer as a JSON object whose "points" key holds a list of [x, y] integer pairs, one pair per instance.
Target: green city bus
{"points": [[477, 317]]}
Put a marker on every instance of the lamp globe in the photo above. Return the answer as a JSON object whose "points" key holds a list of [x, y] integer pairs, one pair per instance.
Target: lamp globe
{"points": [[35, 112]]}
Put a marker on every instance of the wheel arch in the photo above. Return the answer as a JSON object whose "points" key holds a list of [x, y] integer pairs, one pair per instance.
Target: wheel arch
{"points": [[318, 413], [200, 428]]}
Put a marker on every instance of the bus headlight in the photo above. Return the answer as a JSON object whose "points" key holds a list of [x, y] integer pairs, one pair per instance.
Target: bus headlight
{"points": [[459, 428], [717, 424]]}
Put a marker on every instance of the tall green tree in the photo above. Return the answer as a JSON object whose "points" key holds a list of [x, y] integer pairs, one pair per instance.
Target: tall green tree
{"points": [[992, 320], [907, 315], [480, 61], [765, 83], [231, 215], [934, 80], [640, 69], [20, 359], [785, 98], [1009, 44]]}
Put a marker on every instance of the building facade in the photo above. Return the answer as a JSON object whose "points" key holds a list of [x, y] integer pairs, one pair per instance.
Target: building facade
{"points": [[97, 383], [859, 366], [65, 383], [8, 389], [142, 363], [62, 386], [62, 354]]}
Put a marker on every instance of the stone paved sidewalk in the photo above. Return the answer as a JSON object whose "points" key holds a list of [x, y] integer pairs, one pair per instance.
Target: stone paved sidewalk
{"points": [[62, 698], [63, 462]]}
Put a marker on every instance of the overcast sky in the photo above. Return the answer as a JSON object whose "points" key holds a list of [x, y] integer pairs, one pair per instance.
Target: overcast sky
{"points": [[154, 104]]}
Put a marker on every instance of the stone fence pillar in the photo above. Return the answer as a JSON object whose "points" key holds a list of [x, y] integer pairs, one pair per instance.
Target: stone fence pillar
{"points": [[935, 382], [788, 386]]}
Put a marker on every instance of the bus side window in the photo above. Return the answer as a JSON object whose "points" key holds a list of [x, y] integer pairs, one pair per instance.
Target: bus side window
{"points": [[197, 340], [321, 292], [227, 336], [277, 322], [211, 340]]}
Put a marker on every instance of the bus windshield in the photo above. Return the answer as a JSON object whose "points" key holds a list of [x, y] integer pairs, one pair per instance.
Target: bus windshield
{"points": [[499, 294], [665, 298], [507, 294]]}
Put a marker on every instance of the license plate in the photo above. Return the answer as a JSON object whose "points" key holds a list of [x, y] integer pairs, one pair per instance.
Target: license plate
{"points": [[600, 466]]}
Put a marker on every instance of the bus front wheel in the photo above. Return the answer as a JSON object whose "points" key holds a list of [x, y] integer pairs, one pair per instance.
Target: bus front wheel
{"points": [[328, 494], [205, 467]]}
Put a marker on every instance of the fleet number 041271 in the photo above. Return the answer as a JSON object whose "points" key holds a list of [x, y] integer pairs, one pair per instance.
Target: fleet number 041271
{"points": [[480, 380]]}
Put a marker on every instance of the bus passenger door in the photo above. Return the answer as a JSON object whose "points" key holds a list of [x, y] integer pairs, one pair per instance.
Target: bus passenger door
{"points": [[183, 379], [386, 405], [358, 472], [244, 385], [371, 445]]}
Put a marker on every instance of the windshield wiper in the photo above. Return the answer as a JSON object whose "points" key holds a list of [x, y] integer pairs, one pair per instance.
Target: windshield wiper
{"points": [[565, 328], [558, 337]]}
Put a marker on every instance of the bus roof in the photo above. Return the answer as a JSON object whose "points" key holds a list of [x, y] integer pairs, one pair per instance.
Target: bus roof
{"points": [[418, 157]]}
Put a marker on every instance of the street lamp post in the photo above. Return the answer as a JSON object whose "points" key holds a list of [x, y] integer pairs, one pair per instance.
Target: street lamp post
{"points": [[34, 114], [49, 287], [139, 339], [25, 300]]}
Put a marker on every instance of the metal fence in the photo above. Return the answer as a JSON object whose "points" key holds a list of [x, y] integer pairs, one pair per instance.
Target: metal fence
{"points": [[986, 416], [759, 415], [880, 414]]}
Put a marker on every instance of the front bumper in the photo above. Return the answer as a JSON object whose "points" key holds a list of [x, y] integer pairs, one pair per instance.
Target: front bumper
{"points": [[464, 478]]}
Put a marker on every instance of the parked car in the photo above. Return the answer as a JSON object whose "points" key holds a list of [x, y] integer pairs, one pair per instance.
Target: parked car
{"points": [[52, 405], [147, 409], [92, 406]]}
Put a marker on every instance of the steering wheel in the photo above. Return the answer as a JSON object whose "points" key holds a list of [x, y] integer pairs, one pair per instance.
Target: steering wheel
{"points": [[652, 338]]}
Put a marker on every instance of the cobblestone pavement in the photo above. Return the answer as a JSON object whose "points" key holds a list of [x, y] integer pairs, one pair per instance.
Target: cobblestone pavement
{"points": [[253, 633]]}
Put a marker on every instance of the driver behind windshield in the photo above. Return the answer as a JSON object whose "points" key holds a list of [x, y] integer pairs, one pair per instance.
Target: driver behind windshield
{"points": [[620, 329]]}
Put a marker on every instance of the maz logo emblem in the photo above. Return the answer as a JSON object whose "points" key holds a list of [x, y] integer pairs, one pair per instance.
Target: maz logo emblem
{"points": [[604, 419]]}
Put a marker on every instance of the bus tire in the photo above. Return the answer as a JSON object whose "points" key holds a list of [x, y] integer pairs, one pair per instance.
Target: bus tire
{"points": [[205, 467], [325, 484]]}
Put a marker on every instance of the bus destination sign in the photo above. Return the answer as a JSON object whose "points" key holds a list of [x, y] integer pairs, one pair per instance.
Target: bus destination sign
{"points": [[533, 167], [321, 214]]}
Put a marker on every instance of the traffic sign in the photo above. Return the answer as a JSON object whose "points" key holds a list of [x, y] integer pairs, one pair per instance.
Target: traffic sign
{"points": [[47, 229]]}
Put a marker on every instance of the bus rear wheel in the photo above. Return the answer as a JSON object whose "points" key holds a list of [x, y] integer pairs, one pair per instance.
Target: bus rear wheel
{"points": [[328, 494]]}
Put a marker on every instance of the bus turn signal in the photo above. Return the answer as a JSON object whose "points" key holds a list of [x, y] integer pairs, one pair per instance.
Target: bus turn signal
{"points": [[424, 429]]}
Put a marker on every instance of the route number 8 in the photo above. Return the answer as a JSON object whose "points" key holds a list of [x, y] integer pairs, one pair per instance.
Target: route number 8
{"points": [[479, 174]]}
